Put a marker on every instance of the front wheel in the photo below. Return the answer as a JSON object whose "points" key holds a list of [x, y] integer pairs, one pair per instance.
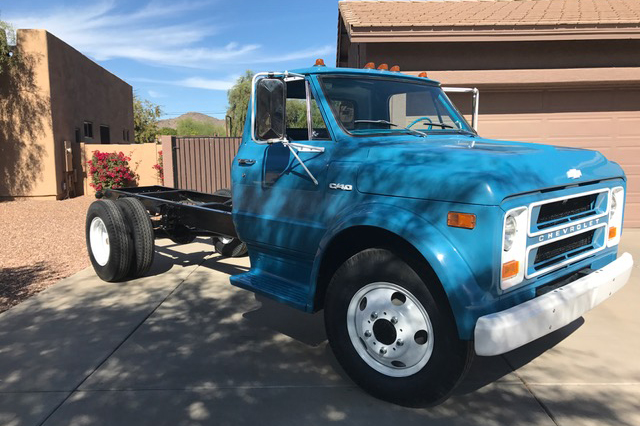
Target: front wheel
{"points": [[389, 334]]}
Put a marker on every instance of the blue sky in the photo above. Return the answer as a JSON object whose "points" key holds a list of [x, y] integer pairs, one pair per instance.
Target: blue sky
{"points": [[184, 55]]}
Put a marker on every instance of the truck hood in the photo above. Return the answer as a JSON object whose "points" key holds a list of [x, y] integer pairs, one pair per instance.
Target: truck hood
{"points": [[449, 169]]}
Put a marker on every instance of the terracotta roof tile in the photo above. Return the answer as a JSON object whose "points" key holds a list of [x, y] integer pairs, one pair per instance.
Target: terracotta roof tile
{"points": [[426, 14]]}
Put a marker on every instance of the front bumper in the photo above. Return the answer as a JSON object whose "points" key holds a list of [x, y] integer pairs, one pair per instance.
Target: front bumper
{"points": [[503, 331]]}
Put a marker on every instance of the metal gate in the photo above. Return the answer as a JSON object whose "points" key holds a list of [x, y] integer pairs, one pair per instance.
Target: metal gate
{"points": [[203, 163]]}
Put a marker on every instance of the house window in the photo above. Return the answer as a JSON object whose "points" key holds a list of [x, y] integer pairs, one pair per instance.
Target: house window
{"points": [[105, 135], [88, 129], [125, 135], [78, 138]]}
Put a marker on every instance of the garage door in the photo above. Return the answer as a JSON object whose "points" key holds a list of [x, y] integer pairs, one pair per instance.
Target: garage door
{"points": [[606, 120]]}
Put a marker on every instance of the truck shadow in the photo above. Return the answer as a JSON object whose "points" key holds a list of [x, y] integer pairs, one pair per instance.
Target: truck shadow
{"points": [[167, 258]]}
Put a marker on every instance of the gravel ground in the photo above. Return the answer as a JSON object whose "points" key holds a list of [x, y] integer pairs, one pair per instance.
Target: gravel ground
{"points": [[41, 242]]}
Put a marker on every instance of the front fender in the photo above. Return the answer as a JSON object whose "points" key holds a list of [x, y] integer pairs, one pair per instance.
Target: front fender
{"points": [[467, 299]]}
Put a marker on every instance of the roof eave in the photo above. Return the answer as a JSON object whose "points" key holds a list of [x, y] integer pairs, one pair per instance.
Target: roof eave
{"points": [[468, 34]]}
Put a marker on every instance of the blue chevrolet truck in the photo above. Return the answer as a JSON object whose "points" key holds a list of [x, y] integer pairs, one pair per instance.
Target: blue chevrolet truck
{"points": [[366, 193]]}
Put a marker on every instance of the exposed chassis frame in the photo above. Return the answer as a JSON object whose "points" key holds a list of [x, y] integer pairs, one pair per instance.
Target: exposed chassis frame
{"points": [[202, 214]]}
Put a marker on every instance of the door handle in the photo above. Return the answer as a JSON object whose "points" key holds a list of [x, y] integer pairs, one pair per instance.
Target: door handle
{"points": [[246, 162]]}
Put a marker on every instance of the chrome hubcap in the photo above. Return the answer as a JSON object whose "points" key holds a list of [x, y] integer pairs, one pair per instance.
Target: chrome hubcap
{"points": [[390, 329], [99, 241]]}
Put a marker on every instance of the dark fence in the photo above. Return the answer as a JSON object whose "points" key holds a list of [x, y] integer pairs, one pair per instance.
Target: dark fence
{"points": [[203, 163]]}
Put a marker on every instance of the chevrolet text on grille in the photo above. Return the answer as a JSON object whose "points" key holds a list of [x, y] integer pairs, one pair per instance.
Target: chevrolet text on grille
{"points": [[569, 230]]}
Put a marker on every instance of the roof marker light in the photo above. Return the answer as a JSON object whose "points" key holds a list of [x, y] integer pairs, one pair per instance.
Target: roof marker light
{"points": [[369, 66], [383, 67], [319, 63], [423, 74], [395, 68]]}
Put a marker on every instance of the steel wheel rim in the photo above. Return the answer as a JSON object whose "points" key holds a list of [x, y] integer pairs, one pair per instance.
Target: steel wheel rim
{"points": [[390, 329], [99, 241]]}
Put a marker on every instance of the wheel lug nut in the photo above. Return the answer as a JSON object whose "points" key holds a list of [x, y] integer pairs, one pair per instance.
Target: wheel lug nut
{"points": [[374, 315], [394, 320], [399, 342], [367, 333], [383, 351]]}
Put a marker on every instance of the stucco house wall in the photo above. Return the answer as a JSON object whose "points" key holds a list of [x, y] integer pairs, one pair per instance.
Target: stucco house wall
{"points": [[47, 104]]}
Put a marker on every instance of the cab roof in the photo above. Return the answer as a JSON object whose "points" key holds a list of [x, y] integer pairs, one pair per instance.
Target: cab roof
{"points": [[362, 72]]}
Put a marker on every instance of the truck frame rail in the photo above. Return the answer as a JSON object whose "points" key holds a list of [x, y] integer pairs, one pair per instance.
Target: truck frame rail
{"points": [[183, 213]]}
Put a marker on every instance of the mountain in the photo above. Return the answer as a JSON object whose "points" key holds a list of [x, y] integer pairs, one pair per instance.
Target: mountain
{"points": [[196, 116]]}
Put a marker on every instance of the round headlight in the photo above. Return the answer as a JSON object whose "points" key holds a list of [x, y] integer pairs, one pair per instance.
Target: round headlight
{"points": [[510, 229], [614, 205]]}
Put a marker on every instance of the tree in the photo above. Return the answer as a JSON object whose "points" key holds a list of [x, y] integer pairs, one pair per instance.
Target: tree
{"points": [[145, 119], [238, 97], [167, 131], [7, 37], [190, 127]]}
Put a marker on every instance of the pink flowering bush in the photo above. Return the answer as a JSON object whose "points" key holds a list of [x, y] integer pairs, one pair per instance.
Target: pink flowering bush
{"points": [[110, 170], [159, 168]]}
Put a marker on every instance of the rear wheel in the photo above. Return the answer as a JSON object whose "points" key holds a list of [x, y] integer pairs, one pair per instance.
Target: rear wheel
{"points": [[108, 242], [226, 246], [389, 334], [142, 235]]}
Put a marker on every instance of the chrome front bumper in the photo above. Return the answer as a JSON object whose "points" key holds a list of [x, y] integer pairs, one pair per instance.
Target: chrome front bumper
{"points": [[506, 330]]}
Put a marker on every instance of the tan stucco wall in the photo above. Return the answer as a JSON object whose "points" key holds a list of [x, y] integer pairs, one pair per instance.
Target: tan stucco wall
{"points": [[41, 107], [82, 90], [143, 158], [27, 157]]}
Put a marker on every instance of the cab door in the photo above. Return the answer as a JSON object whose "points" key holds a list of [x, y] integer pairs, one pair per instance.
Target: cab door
{"points": [[277, 204]]}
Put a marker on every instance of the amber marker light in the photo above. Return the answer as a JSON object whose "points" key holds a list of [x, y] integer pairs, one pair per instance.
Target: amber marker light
{"points": [[461, 220], [510, 269], [369, 66], [319, 63], [395, 68], [612, 232], [383, 67], [423, 74]]}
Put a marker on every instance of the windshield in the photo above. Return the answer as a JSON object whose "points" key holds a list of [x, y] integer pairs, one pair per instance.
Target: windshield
{"points": [[367, 106]]}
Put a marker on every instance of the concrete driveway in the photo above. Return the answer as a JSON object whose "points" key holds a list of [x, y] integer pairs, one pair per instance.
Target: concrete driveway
{"points": [[183, 347]]}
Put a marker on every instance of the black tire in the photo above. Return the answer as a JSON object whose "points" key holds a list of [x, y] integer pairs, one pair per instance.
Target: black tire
{"points": [[228, 247], [142, 234], [449, 358], [233, 248], [115, 265]]}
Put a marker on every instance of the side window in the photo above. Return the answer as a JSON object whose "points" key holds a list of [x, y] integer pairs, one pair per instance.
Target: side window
{"points": [[296, 111], [318, 126]]}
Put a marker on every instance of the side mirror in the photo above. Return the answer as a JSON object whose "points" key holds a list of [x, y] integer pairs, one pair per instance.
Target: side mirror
{"points": [[270, 109]]}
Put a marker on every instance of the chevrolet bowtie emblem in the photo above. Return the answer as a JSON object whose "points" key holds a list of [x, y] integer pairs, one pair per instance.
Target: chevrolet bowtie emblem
{"points": [[574, 174]]}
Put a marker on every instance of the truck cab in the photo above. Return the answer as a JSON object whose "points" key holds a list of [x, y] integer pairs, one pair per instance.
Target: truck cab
{"points": [[366, 192]]}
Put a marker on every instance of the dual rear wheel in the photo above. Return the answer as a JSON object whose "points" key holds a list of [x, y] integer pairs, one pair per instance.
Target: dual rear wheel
{"points": [[120, 239]]}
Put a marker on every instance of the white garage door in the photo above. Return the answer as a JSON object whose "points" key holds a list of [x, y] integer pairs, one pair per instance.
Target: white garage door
{"points": [[606, 120]]}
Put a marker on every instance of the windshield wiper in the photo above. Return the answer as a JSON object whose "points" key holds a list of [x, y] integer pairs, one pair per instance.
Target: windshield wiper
{"points": [[388, 123]]}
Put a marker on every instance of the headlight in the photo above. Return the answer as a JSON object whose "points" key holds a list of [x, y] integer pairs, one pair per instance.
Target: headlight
{"points": [[510, 230], [615, 216], [514, 244], [614, 206]]}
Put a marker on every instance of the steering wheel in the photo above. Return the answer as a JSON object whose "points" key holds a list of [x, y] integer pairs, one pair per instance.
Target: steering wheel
{"points": [[417, 120]]}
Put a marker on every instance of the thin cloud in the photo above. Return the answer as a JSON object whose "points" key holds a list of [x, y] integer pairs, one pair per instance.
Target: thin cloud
{"points": [[151, 34], [192, 82], [155, 94]]}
